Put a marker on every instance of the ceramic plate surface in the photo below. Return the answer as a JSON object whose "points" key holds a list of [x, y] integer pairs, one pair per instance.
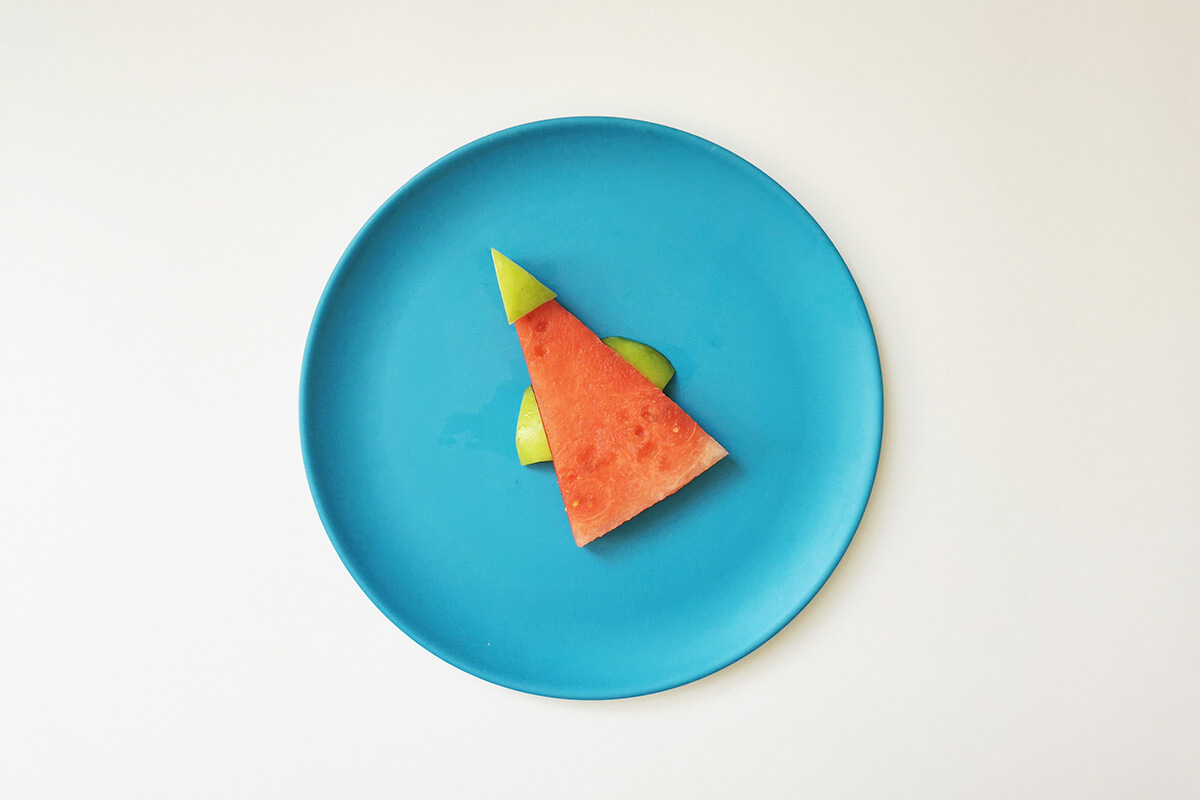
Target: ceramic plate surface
{"points": [[412, 380]]}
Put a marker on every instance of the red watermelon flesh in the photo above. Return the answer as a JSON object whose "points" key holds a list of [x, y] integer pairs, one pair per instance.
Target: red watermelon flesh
{"points": [[619, 444]]}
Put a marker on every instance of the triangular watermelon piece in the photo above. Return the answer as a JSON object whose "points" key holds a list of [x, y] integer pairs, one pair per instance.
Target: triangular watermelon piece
{"points": [[619, 444]]}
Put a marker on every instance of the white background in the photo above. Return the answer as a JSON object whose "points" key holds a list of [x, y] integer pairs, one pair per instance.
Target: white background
{"points": [[1015, 188]]}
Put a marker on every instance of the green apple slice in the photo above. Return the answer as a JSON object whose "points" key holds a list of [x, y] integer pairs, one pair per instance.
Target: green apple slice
{"points": [[651, 363], [532, 446], [520, 291]]}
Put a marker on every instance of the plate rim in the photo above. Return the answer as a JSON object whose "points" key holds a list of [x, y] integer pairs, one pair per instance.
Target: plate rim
{"points": [[338, 275]]}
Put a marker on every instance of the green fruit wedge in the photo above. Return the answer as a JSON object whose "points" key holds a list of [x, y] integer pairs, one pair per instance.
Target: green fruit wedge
{"points": [[520, 291], [532, 446], [651, 363]]}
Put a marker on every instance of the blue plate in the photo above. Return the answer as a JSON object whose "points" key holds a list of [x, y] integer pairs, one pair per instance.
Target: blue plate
{"points": [[412, 380]]}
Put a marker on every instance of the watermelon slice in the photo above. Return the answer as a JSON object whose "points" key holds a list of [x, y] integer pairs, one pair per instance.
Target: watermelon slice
{"points": [[532, 447], [619, 444]]}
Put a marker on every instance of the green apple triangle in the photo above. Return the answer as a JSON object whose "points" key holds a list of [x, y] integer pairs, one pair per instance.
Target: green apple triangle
{"points": [[520, 291]]}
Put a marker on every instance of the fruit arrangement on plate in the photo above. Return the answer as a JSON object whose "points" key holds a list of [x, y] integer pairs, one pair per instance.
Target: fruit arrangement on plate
{"points": [[596, 408]]}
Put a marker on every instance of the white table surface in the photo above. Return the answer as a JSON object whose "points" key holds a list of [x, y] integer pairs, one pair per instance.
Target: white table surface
{"points": [[1016, 188]]}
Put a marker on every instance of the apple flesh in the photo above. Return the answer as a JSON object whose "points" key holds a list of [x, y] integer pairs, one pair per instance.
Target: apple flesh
{"points": [[651, 363]]}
